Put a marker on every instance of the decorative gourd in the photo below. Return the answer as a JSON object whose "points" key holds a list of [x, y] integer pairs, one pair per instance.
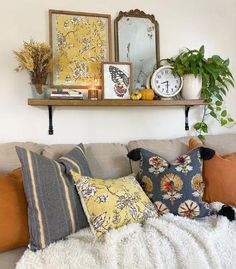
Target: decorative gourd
{"points": [[136, 95], [147, 94]]}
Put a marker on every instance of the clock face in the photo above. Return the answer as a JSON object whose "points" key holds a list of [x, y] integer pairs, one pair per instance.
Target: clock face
{"points": [[165, 83]]}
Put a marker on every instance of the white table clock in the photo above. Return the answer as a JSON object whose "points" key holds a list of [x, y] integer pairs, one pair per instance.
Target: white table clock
{"points": [[165, 83]]}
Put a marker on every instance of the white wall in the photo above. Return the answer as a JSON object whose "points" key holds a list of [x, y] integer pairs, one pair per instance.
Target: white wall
{"points": [[188, 23]]}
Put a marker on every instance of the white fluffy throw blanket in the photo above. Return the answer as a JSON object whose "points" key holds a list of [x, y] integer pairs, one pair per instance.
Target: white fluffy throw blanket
{"points": [[168, 242]]}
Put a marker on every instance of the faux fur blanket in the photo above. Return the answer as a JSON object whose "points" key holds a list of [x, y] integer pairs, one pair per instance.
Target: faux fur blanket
{"points": [[168, 242]]}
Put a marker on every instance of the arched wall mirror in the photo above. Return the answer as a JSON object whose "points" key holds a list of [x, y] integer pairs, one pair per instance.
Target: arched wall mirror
{"points": [[137, 41]]}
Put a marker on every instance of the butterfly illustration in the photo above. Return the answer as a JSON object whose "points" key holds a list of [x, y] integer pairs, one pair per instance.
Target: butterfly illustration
{"points": [[120, 79]]}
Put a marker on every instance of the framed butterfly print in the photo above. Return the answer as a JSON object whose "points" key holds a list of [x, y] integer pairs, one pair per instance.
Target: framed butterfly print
{"points": [[80, 43], [117, 80]]}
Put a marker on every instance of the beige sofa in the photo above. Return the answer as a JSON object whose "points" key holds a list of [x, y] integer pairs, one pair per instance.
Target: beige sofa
{"points": [[106, 160]]}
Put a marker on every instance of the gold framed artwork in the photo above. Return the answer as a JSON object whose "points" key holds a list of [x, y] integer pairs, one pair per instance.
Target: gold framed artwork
{"points": [[80, 43], [117, 80]]}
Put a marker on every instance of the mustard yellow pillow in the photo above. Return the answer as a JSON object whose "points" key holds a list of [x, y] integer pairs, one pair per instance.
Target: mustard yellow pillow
{"points": [[113, 203]]}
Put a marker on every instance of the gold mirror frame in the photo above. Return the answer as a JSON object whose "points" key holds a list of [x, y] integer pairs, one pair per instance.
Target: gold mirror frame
{"points": [[137, 14]]}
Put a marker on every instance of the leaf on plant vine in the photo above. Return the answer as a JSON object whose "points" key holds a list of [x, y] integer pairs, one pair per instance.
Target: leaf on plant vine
{"points": [[197, 126], [204, 127], [201, 137], [223, 122], [210, 107], [224, 113], [202, 50], [217, 58], [218, 103], [230, 120], [223, 91], [222, 82], [230, 81], [226, 62], [219, 97], [213, 114], [180, 72]]}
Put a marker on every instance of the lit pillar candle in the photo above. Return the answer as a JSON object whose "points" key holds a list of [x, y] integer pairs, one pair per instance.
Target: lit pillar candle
{"points": [[93, 94]]}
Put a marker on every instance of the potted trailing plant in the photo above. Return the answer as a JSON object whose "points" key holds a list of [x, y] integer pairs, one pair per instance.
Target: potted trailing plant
{"points": [[214, 77], [36, 58]]}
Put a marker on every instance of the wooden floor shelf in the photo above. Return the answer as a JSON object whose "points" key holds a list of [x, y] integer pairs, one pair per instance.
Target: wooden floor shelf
{"points": [[112, 102]]}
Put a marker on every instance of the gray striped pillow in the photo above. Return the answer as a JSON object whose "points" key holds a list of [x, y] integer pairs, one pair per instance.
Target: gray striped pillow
{"points": [[54, 207]]}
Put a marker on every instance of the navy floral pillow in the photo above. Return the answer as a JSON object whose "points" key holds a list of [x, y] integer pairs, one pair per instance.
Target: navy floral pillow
{"points": [[174, 187]]}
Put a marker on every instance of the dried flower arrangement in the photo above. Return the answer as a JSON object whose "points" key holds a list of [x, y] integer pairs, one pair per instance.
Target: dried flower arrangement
{"points": [[35, 57]]}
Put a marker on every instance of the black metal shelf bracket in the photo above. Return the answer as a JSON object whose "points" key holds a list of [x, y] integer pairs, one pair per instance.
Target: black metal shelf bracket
{"points": [[50, 118], [50, 128], [187, 108]]}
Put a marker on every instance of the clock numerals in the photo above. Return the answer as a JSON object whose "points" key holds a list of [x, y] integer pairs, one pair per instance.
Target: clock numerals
{"points": [[165, 83]]}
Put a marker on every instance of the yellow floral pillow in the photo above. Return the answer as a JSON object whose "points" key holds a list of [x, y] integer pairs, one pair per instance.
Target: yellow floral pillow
{"points": [[113, 203]]}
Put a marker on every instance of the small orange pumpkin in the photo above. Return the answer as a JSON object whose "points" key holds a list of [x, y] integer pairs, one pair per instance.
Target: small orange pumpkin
{"points": [[147, 94]]}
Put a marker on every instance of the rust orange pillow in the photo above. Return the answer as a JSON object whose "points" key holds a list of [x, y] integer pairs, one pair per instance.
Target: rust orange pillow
{"points": [[14, 231], [219, 175]]}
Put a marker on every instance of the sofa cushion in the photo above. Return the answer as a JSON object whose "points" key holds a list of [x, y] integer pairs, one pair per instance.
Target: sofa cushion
{"points": [[169, 149], [219, 175], [8, 157], [9, 259], [55, 151], [223, 144], [106, 160], [14, 230], [175, 187], [54, 208], [111, 204]]}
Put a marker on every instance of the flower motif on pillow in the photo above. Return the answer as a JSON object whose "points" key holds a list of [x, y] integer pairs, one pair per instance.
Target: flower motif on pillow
{"points": [[113, 203], [198, 185], [183, 164], [171, 184], [147, 185], [161, 208], [174, 187], [87, 189], [103, 198], [189, 209], [158, 165]]}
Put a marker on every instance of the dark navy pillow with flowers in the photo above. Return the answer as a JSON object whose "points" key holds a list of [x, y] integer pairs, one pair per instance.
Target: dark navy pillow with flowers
{"points": [[175, 187]]}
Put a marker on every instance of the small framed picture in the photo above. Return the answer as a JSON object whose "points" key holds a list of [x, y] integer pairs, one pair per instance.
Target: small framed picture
{"points": [[117, 80]]}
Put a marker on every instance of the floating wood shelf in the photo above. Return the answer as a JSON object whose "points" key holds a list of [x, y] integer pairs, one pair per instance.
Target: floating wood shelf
{"points": [[116, 103], [113, 102]]}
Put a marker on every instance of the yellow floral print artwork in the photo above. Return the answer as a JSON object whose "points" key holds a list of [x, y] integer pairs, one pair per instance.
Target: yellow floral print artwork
{"points": [[80, 44], [113, 203]]}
